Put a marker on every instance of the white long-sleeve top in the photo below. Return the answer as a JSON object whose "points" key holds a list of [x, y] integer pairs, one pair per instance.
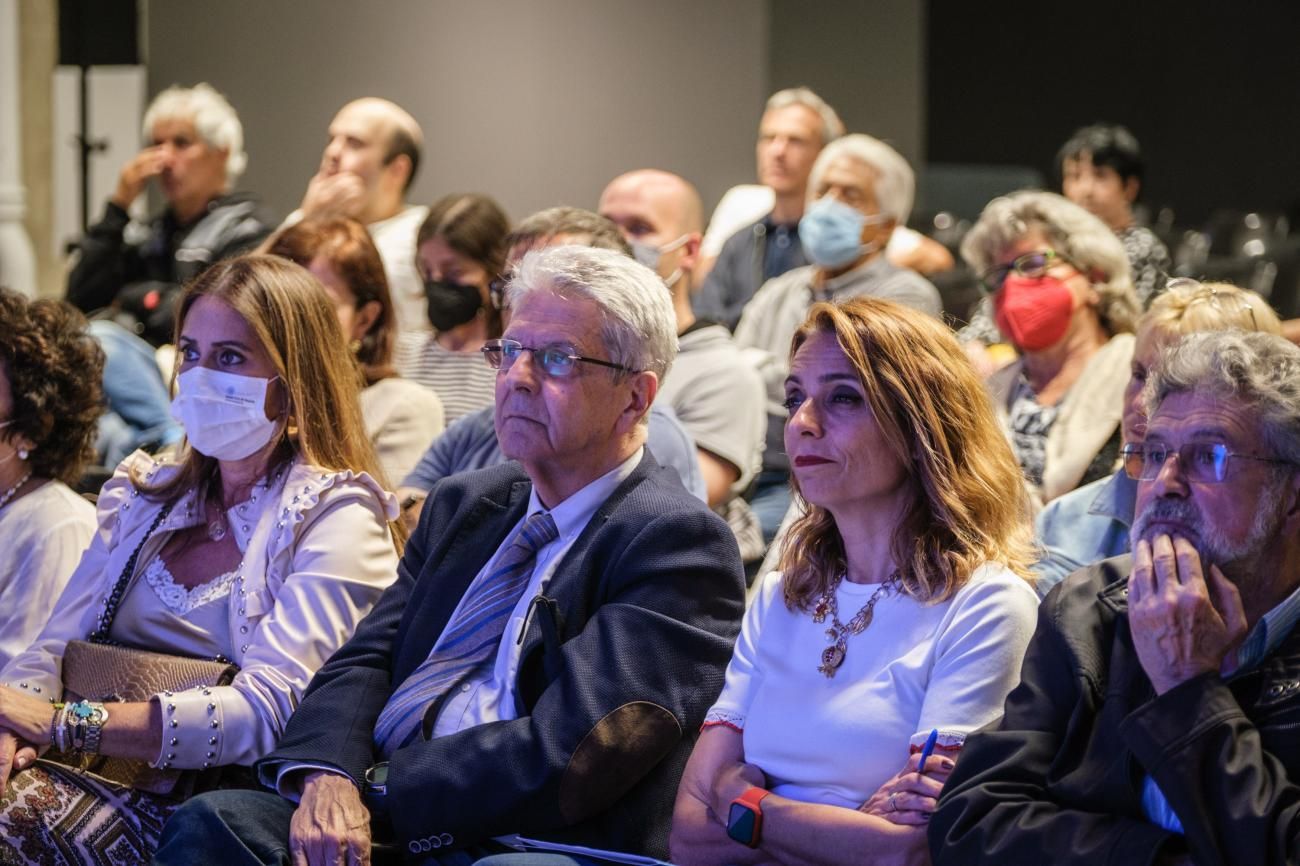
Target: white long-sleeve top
{"points": [[317, 555]]}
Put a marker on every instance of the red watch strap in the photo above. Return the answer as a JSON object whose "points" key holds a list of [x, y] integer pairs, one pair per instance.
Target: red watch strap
{"points": [[752, 797]]}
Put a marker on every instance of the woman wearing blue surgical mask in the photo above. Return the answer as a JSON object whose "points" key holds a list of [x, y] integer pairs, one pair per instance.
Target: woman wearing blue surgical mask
{"points": [[264, 541]]}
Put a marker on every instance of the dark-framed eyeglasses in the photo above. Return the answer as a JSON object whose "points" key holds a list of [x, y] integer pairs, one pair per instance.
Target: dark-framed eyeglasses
{"points": [[1030, 265], [1224, 302], [556, 359], [1203, 462]]}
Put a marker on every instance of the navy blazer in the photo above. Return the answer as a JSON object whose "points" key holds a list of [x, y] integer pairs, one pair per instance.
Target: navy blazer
{"points": [[621, 659]]}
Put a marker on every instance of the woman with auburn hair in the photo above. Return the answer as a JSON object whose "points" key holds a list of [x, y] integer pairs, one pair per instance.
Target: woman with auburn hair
{"points": [[401, 417], [264, 542], [898, 618]]}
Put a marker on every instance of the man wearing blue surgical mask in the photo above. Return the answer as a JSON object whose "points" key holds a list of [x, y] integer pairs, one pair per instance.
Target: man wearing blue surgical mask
{"points": [[860, 189], [716, 394]]}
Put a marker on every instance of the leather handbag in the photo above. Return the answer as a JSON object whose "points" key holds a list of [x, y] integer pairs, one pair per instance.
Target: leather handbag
{"points": [[100, 669]]}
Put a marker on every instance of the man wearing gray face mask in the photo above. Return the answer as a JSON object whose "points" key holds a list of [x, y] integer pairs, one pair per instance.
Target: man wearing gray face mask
{"points": [[715, 392]]}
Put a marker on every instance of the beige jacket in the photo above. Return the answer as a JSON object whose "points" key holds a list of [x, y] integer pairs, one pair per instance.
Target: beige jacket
{"points": [[1088, 416]]}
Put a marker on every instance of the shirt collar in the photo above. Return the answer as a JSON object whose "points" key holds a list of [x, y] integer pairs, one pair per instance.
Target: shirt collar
{"points": [[574, 513], [1117, 499], [1269, 632]]}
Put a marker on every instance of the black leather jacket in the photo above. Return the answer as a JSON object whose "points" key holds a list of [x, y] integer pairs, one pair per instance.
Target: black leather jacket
{"points": [[1059, 779], [139, 270]]}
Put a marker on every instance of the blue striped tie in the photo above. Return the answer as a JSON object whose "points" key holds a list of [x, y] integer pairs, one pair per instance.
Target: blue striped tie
{"points": [[470, 639]]}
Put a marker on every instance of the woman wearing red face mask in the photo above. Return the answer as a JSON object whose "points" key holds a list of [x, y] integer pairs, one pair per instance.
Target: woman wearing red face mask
{"points": [[1063, 295]]}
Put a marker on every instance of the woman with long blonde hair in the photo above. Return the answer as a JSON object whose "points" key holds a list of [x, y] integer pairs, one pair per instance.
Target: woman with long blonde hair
{"points": [[263, 543], [898, 618]]}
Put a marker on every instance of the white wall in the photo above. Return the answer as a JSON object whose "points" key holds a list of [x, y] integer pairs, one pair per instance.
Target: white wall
{"points": [[535, 103]]}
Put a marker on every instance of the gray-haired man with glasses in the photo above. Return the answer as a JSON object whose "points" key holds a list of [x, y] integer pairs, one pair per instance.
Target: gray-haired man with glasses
{"points": [[557, 629], [1158, 715]]}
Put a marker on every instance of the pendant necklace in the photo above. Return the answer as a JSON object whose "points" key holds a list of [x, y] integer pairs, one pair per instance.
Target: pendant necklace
{"points": [[9, 494], [839, 633], [217, 523]]}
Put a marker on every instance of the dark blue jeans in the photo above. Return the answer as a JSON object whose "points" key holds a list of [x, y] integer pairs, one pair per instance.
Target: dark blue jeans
{"points": [[235, 828]]}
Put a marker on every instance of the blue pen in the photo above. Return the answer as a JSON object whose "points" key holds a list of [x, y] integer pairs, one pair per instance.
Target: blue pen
{"points": [[927, 749]]}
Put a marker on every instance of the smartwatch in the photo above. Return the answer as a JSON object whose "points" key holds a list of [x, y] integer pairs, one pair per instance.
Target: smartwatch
{"points": [[745, 820]]}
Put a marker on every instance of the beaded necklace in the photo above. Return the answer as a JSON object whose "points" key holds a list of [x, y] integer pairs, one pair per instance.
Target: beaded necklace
{"points": [[9, 494]]}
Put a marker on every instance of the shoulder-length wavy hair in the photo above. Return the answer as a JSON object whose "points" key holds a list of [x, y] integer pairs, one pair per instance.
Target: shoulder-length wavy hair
{"points": [[297, 326], [968, 506], [346, 245]]}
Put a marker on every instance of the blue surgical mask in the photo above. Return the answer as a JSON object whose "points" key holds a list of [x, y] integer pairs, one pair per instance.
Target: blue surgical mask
{"points": [[831, 232], [649, 255]]}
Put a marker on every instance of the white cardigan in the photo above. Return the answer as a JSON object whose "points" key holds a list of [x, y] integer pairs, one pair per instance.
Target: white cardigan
{"points": [[317, 556]]}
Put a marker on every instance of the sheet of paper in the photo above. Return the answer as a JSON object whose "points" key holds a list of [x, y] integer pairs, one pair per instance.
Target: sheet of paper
{"points": [[594, 853]]}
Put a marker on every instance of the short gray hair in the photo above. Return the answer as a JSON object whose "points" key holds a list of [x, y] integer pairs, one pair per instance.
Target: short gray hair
{"points": [[638, 326], [1074, 233], [213, 117], [1259, 371], [895, 185], [831, 127]]}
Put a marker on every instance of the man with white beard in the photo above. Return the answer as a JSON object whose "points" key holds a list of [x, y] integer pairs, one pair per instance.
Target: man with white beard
{"points": [[1158, 716]]}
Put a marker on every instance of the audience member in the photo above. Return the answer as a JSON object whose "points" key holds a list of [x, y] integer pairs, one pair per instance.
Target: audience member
{"points": [[196, 153], [714, 391], [471, 441], [1101, 170], [1092, 522], [795, 126], [460, 250], [859, 190], [49, 402], [1061, 293], [916, 535], [401, 417], [265, 543], [570, 713], [369, 163], [1155, 718]]}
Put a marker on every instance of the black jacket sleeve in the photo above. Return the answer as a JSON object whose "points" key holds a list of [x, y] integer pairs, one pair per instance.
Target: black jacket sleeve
{"points": [[105, 263], [1233, 797], [999, 805]]}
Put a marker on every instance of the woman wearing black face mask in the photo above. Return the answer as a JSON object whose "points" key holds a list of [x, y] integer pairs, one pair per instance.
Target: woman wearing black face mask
{"points": [[460, 249]]}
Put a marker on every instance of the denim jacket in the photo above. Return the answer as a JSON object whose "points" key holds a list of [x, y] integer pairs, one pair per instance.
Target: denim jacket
{"points": [[1083, 527]]}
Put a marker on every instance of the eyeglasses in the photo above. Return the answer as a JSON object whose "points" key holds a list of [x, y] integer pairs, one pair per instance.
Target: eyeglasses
{"points": [[1225, 303], [1030, 265], [556, 359], [1203, 462]]}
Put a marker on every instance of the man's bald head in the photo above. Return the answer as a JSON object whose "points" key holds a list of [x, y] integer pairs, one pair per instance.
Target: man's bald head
{"points": [[389, 124], [660, 214], [674, 199]]}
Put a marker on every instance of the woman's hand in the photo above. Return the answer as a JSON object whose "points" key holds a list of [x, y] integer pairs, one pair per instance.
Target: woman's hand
{"points": [[910, 797], [733, 780], [27, 717], [15, 755]]}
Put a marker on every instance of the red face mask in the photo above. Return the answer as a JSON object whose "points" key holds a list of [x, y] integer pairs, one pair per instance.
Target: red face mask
{"points": [[1033, 312]]}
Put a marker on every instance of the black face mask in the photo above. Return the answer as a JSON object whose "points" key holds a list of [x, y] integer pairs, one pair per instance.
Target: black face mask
{"points": [[451, 304]]}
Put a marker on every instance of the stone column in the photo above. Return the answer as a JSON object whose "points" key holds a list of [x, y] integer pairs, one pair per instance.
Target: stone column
{"points": [[17, 258]]}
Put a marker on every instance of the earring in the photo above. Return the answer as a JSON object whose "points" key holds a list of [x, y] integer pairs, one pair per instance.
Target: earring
{"points": [[354, 347], [22, 453]]}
